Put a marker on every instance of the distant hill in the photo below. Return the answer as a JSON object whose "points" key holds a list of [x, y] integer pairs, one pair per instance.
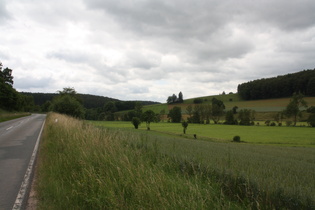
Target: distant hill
{"points": [[89, 101]]}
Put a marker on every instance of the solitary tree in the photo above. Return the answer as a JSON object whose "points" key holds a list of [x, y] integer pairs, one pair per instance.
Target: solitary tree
{"points": [[180, 97], [185, 125], [293, 108], [148, 116], [175, 114]]}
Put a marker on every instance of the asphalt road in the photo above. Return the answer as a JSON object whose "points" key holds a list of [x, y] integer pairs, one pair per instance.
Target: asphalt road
{"points": [[17, 141]]}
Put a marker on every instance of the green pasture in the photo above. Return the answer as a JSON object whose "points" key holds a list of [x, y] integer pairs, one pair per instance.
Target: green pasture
{"points": [[269, 135]]}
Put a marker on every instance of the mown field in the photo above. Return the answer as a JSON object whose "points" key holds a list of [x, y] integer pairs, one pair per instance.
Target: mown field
{"points": [[113, 166]]}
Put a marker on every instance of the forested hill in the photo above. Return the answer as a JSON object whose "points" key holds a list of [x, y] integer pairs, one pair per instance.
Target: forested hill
{"points": [[280, 86], [89, 101]]}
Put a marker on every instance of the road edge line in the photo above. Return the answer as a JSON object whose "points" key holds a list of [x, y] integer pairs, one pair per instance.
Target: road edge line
{"points": [[18, 204]]}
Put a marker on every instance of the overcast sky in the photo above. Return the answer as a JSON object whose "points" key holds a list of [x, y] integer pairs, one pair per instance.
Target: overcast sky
{"points": [[150, 49]]}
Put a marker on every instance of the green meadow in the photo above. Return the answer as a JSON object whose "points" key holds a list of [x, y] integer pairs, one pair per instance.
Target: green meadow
{"points": [[268, 135]]}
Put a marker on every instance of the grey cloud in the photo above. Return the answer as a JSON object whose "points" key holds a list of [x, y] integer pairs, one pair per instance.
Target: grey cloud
{"points": [[69, 56], [164, 18], [142, 60], [4, 14], [54, 14], [287, 15]]}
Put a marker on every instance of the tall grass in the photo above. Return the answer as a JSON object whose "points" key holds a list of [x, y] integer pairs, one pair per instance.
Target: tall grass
{"points": [[83, 167]]}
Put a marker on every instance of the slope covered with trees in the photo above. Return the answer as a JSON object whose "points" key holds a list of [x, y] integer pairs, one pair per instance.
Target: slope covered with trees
{"points": [[280, 86]]}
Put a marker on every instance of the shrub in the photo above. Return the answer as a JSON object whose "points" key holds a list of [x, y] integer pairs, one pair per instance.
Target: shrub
{"points": [[311, 120], [136, 122], [267, 122], [237, 139], [273, 124], [279, 124]]}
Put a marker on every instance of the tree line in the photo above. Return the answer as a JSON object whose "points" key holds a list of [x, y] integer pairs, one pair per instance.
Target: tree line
{"points": [[280, 86]]}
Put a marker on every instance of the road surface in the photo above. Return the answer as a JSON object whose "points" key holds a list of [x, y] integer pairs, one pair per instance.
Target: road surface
{"points": [[17, 141]]}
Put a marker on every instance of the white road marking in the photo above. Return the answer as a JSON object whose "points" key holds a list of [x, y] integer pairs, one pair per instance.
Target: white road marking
{"points": [[9, 128]]}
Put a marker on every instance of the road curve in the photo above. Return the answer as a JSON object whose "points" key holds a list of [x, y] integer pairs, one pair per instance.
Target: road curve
{"points": [[17, 141]]}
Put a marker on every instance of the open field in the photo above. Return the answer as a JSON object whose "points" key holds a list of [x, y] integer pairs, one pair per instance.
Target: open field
{"points": [[122, 168], [269, 135], [231, 100]]}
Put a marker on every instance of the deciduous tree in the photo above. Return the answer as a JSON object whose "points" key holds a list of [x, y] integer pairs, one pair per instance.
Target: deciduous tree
{"points": [[67, 103], [148, 117], [293, 108], [175, 114], [185, 125]]}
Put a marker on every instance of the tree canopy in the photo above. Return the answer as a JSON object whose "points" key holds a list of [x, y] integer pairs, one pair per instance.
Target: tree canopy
{"points": [[68, 103], [293, 108], [148, 117], [175, 114]]}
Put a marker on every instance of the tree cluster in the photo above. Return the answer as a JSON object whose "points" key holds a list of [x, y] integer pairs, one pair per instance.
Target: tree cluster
{"points": [[10, 99], [203, 113], [281, 86], [148, 116], [174, 99]]}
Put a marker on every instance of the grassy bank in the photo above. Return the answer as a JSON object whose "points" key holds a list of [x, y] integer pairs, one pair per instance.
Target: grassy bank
{"points": [[84, 167], [6, 116]]}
